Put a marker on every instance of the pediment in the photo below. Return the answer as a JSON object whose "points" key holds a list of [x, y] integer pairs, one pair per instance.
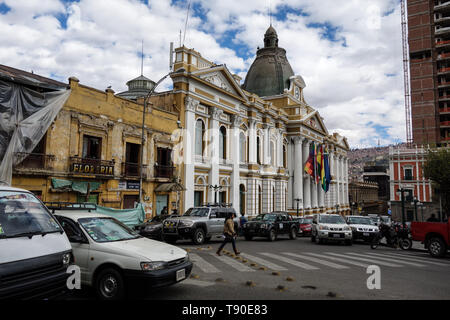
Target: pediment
{"points": [[221, 78], [314, 121]]}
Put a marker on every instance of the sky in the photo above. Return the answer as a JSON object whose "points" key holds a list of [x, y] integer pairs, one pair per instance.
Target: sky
{"points": [[349, 52]]}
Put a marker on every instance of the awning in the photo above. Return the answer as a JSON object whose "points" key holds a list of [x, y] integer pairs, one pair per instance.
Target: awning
{"points": [[169, 187], [78, 186]]}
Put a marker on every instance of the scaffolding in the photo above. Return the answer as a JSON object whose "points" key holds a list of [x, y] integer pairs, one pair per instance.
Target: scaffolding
{"points": [[409, 138]]}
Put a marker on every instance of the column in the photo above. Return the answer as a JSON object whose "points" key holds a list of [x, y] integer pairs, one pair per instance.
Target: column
{"points": [[338, 180], [189, 147], [306, 178], [290, 166], [314, 194], [298, 173], [252, 141], [234, 148], [213, 145], [266, 143], [346, 181]]}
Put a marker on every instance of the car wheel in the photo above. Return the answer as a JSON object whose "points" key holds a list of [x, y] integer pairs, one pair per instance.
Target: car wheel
{"points": [[248, 237], [436, 247], [110, 285], [272, 235], [293, 234], [199, 236]]}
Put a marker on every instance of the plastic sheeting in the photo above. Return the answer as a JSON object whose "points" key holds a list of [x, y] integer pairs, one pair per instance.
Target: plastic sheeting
{"points": [[129, 217], [25, 116], [78, 186]]}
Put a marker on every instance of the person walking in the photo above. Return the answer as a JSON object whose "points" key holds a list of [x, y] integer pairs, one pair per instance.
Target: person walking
{"points": [[229, 234], [242, 221]]}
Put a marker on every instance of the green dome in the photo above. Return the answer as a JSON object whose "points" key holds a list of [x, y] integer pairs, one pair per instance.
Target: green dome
{"points": [[270, 72]]}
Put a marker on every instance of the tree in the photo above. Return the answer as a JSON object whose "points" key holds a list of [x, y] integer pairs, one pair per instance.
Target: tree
{"points": [[437, 169]]}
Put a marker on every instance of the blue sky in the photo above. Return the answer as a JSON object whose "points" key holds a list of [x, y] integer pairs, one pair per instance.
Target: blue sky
{"points": [[348, 51]]}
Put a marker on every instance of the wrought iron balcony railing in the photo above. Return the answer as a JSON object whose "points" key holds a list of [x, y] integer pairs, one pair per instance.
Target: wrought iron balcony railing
{"points": [[34, 160], [162, 171]]}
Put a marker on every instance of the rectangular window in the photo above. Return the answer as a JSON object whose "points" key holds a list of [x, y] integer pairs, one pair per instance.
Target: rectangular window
{"points": [[92, 147], [408, 174], [198, 198]]}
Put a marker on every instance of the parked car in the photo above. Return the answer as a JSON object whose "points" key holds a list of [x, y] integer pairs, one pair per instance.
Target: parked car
{"points": [[330, 227], [153, 228], [271, 225], [34, 250], [434, 235], [112, 257], [305, 226], [201, 224], [363, 228]]}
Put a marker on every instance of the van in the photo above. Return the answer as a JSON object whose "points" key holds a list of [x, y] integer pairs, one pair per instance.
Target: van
{"points": [[34, 250]]}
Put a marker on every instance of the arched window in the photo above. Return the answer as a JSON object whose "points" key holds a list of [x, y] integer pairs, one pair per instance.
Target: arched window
{"points": [[222, 143], [242, 198], [199, 133], [258, 150], [242, 147]]}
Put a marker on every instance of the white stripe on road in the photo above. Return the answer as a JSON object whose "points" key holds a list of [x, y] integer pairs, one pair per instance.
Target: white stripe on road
{"points": [[198, 283], [233, 263], [411, 257], [386, 259], [204, 265], [320, 261], [375, 261], [290, 261], [354, 263], [263, 262]]}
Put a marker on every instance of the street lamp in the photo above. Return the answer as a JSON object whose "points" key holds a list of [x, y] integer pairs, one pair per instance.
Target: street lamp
{"points": [[143, 128], [416, 203], [216, 189], [298, 201], [402, 195]]}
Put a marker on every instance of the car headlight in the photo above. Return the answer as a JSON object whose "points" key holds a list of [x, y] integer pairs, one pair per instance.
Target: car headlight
{"points": [[150, 228], [323, 228], [66, 258], [186, 223], [263, 226], [152, 266], [186, 258], [347, 228]]}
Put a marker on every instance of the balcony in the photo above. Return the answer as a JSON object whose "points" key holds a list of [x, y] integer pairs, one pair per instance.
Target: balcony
{"points": [[162, 171], [444, 84], [445, 124], [443, 56], [444, 7], [132, 170], [444, 110], [442, 31], [86, 166], [34, 161]]}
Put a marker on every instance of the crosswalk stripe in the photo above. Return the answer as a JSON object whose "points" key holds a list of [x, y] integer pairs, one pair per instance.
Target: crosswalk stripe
{"points": [[320, 261], [414, 258], [381, 263], [290, 261], [198, 283], [354, 263], [263, 262], [233, 263], [387, 259], [204, 265]]}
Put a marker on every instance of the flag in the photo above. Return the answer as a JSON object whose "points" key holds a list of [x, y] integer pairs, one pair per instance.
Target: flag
{"points": [[318, 164], [309, 165], [322, 169], [327, 175], [314, 162]]}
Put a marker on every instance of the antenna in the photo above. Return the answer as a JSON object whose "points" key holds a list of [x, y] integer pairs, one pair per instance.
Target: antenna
{"points": [[187, 18], [270, 12], [171, 57], [142, 58]]}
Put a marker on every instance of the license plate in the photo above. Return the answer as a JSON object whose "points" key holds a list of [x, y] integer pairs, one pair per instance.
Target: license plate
{"points": [[181, 274], [336, 235], [366, 234]]}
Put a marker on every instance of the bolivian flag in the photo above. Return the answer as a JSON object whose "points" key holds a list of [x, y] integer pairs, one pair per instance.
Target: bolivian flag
{"points": [[319, 162], [309, 165]]}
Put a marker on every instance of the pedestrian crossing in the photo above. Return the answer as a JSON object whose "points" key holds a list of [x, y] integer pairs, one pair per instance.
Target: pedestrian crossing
{"points": [[210, 263]]}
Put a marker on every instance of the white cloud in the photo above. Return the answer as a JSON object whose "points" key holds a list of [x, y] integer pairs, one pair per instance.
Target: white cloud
{"points": [[354, 80]]}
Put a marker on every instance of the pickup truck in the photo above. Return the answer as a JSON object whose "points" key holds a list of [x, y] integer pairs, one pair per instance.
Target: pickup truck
{"points": [[434, 235]]}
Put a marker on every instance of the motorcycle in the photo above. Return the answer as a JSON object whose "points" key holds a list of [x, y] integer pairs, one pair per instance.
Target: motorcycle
{"points": [[396, 236]]}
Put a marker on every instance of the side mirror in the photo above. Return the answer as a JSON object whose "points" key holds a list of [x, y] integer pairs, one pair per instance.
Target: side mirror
{"points": [[76, 238]]}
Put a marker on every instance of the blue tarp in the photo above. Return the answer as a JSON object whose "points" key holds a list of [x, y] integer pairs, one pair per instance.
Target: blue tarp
{"points": [[129, 217]]}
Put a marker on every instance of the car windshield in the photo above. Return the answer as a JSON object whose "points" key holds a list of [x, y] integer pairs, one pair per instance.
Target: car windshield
{"points": [[374, 219], [304, 220], [107, 229], [22, 214], [360, 220], [266, 217], [385, 219], [198, 212], [332, 219]]}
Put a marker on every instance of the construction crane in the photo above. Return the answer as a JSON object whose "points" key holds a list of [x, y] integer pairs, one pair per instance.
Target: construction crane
{"points": [[409, 138]]}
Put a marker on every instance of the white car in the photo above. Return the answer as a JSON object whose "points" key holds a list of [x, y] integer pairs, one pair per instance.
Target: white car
{"points": [[330, 227], [111, 256], [363, 228]]}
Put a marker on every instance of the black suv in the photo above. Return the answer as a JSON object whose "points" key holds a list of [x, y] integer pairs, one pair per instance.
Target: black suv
{"points": [[271, 225]]}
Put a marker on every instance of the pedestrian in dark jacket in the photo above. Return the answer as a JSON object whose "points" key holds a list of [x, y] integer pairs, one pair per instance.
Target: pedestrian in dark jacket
{"points": [[230, 234]]}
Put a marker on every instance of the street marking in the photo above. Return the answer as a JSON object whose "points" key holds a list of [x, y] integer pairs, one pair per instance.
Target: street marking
{"points": [[290, 261], [198, 283], [319, 261], [204, 265], [233, 263], [373, 261], [413, 258], [354, 263], [263, 262], [387, 259]]}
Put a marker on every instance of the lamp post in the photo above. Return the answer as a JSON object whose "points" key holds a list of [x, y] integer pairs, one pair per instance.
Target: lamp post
{"points": [[402, 195], [416, 203], [216, 188], [298, 201], [142, 134]]}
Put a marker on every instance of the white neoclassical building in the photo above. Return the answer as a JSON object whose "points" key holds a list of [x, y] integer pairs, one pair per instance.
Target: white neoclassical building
{"points": [[252, 139]]}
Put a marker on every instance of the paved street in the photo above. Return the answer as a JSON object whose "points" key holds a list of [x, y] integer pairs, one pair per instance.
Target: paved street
{"points": [[298, 269]]}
